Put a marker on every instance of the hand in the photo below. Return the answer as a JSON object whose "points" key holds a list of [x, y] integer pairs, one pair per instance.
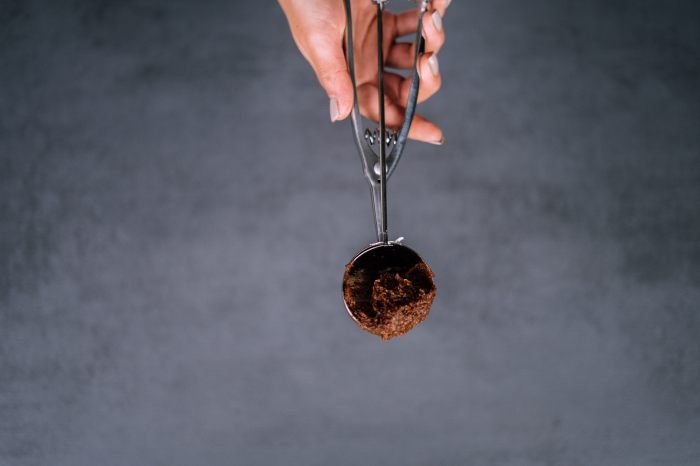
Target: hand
{"points": [[318, 28]]}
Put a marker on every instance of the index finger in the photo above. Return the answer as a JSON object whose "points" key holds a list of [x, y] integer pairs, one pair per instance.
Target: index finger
{"points": [[441, 5], [407, 21]]}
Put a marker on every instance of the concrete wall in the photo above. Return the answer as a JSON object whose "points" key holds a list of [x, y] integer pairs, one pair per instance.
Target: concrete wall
{"points": [[176, 212]]}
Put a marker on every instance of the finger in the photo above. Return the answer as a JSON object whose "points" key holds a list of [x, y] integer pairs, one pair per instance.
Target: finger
{"points": [[402, 54], [441, 6], [420, 130], [394, 114], [328, 61], [433, 31], [426, 131], [406, 23], [430, 79], [392, 87], [368, 96], [397, 87]]}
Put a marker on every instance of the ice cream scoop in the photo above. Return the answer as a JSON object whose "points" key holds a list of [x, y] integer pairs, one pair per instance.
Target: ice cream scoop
{"points": [[387, 287]]}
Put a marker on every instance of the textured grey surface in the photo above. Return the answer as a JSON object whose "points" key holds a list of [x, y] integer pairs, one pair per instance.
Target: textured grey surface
{"points": [[177, 210]]}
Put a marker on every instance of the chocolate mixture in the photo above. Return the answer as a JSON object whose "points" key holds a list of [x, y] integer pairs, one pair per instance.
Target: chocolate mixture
{"points": [[393, 303]]}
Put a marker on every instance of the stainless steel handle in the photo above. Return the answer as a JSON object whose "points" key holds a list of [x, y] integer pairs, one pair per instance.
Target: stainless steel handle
{"points": [[364, 139]]}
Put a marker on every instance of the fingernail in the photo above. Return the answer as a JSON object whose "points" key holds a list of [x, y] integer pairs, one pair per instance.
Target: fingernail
{"points": [[448, 3], [437, 20], [438, 143], [335, 112], [434, 66]]}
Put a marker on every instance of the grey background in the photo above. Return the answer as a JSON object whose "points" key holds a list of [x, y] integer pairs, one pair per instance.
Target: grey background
{"points": [[177, 211]]}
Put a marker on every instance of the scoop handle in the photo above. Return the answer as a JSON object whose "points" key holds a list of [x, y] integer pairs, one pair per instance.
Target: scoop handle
{"points": [[362, 138]]}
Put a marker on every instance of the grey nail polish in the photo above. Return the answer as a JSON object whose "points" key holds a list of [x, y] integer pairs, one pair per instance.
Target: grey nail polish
{"points": [[434, 65], [437, 20], [335, 112]]}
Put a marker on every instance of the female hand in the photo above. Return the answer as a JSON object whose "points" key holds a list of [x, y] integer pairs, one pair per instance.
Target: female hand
{"points": [[318, 27]]}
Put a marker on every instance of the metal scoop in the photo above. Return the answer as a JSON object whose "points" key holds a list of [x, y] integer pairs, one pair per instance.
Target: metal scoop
{"points": [[383, 255]]}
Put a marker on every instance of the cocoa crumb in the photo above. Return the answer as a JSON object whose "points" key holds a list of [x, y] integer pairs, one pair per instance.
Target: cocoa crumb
{"points": [[394, 302]]}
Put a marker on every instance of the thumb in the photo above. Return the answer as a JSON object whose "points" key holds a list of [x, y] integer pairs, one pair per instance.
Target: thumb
{"points": [[328, 61]]}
